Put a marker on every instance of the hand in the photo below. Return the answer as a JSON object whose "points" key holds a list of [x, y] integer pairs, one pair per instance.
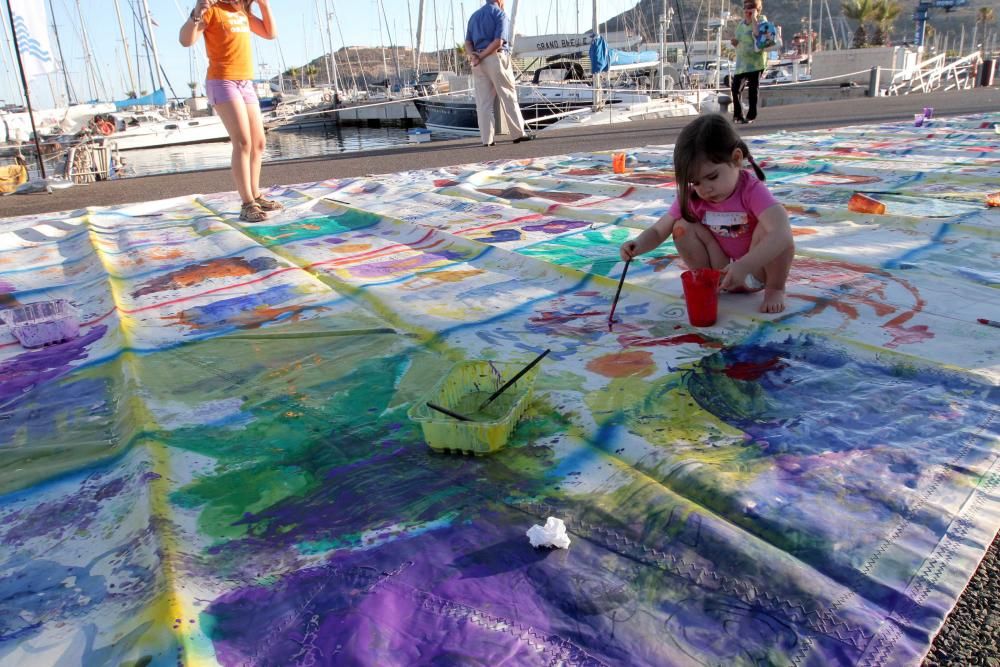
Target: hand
{"points": [[199, 10], [629, 250], [734, 41], [734, 277]]}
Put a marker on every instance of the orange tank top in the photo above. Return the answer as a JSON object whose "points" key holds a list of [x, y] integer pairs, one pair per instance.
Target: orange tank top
{"points": [[227, 43]]}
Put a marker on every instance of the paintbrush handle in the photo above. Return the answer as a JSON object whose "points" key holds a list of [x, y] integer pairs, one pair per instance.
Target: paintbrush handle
{"points": [[614, 304], [446, 411], [513, 379]]}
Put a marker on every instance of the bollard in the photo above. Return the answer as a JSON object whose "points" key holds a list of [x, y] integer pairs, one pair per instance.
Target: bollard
{"points": [[986, 73], [873, 82], [724, 102]]}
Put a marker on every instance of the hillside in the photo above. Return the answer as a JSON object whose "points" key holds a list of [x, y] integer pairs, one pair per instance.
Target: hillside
{"points": [[367, 65], [791, 15]]}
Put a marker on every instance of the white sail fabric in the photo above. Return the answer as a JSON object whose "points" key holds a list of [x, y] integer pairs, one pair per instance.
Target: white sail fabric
{"points": [[29, 23]]}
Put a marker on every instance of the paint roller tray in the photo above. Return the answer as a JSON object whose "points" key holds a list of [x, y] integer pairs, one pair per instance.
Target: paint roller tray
{"points": [[42, 323], [466, 386]]}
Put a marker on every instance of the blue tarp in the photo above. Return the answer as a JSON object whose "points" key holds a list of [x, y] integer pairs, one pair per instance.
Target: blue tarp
{"points": [[599, 60], [156, 98], [632, 57]]}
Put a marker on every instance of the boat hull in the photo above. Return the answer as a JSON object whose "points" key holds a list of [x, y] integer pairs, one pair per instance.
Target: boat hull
{"points": [[459, 117], [172, 133]]}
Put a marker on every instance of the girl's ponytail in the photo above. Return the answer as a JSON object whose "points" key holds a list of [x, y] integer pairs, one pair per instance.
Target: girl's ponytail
{"points": [[753, 163]]}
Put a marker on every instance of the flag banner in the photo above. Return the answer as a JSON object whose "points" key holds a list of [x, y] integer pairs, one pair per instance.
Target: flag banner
{"points": [[29, 22]]}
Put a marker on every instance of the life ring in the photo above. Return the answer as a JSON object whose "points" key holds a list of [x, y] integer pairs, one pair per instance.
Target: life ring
{"points": [[105, 127]]}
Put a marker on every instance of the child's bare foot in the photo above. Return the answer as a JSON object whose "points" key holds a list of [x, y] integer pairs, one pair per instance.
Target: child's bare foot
{"points": [[774, 301]]}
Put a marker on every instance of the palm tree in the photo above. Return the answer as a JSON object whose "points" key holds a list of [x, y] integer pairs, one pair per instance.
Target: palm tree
{"points": [[884, 14], [983, 16], [460, 57], [293, 74], [860, 11], [311, 72]]}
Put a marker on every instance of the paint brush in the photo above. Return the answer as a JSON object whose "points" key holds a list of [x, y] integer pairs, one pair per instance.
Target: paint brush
{"points": [[989, 323], [446, 411], [513, 379], [614, 304]]}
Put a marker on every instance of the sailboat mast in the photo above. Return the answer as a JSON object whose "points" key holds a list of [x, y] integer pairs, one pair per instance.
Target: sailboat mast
{"points": [[70, 97], [513, 22], [598, 103], [333, 57], [437, 34], [323, 44], [151, 38], [91, 79], [420, 36], [128, 62]]}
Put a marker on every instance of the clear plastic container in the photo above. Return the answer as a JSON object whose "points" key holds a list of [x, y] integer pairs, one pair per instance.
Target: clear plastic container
{"points": [[466, 386], [42, 323]]}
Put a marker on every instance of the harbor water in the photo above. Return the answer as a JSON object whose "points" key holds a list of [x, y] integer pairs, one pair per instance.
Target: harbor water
{"points": [[281, 145]]}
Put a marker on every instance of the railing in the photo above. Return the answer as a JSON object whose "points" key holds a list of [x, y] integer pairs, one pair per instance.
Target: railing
{"points": [[937, 74], [87, 162]]}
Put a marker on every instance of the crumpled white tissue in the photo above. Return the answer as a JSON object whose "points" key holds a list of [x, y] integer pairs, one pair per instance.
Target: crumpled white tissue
{"points": [[552, 534]]}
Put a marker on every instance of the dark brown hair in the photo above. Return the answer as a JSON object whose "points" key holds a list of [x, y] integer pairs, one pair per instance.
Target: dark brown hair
{"points": [[711, 137]]}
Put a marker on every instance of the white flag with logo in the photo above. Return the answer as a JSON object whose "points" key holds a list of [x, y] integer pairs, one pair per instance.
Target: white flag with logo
{"points": [[32, 37]]}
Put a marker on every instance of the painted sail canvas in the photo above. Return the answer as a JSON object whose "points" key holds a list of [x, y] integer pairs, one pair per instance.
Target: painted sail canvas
{"points": [[219, 468]]}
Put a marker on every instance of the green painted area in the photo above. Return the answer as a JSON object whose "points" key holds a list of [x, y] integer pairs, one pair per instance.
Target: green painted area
{"points": [[594, 251], [308, 228]]}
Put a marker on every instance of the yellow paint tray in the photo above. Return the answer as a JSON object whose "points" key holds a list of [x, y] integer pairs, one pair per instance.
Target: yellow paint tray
{"points": [[466, 386]]}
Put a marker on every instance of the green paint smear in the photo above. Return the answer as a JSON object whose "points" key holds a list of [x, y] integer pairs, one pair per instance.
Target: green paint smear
{"points": [[309, 228], [594, 251], [323, 452]]}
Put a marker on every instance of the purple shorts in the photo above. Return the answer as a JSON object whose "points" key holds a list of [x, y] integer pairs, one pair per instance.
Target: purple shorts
{"points": [[223, 90]]}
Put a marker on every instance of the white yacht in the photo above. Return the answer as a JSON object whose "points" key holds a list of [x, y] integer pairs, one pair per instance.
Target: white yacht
{"points": [[150, 129]]}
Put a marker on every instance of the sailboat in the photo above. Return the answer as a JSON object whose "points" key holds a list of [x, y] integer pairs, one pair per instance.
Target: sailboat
{"points": [[560, 94]]}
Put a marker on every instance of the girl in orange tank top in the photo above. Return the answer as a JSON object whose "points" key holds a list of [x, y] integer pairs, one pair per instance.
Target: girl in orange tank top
{"points": [[227, 26]]}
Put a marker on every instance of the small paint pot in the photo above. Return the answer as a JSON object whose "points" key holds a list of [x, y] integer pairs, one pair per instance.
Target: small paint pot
{"points": [[701, 294], [928, 112], [918, 119], [618, 163], [860, 203]]}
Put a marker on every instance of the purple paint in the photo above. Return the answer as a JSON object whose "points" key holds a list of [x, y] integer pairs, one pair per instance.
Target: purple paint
{"points": [[30, 369], [475, 593], [556, 226]]}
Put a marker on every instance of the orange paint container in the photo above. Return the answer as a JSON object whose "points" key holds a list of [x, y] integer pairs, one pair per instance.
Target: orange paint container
{"points": [[618, 163], [860, 203], [993, 200]]}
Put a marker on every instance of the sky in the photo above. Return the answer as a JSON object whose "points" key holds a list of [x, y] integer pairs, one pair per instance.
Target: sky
{"points": [[300, 38]]}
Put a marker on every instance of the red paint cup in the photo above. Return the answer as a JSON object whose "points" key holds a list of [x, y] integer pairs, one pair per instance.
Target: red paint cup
{"points": [[701, 293]]}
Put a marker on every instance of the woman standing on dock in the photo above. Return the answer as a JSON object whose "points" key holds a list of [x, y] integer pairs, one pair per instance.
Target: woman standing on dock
{"points": [[750, 61], [227, 25]]}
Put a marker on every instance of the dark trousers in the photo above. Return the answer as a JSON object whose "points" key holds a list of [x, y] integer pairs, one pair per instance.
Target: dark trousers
{"points": [[752, 80]]}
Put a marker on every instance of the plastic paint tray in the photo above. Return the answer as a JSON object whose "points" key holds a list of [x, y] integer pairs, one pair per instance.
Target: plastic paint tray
{"points": [[471, 383], [42, 323]]}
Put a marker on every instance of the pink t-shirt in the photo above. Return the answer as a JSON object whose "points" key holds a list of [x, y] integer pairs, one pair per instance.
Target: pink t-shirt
{"points": [[733, 220]]}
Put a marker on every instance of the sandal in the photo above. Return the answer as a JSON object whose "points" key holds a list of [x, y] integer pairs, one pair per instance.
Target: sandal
{"points": [[252, 212], [267, 204]]}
